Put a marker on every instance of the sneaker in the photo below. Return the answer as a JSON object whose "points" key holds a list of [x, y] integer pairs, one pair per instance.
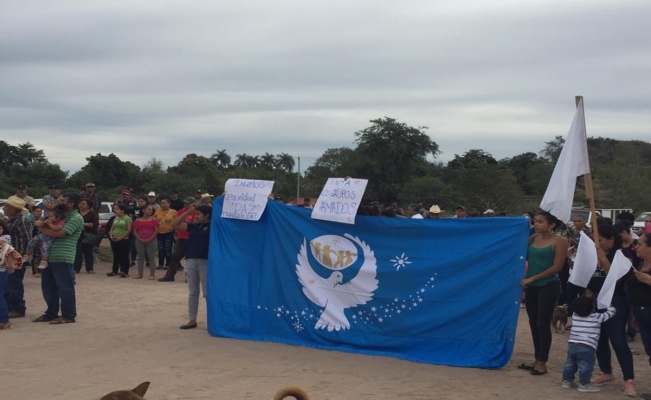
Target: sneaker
{"points": [[27, 259], [588, 388], [567, 384], [133, 264], [137, 276], [602, 379], [42, 265], [629, 388]]}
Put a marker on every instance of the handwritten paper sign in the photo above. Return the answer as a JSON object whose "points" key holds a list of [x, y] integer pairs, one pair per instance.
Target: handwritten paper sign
{"points": [[339, 200], [246, 198]]}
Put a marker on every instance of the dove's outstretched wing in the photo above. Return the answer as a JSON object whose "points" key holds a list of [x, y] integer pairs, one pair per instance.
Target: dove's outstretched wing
{"points": [[359, 290], [313, 284]]}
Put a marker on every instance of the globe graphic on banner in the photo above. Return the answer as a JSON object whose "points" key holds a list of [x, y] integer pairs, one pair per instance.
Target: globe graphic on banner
{"points": [[333, 252]]}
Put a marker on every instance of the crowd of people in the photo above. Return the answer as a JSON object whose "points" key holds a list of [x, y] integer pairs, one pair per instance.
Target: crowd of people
{"points": [[552, 246], [142, 232], [61, 234]]}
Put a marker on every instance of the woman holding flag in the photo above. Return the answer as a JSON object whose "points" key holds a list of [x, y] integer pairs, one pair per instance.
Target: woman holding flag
{"points": [[613, 330]]}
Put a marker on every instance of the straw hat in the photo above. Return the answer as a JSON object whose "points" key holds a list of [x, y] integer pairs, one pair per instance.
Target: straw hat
{"points": [[203, 196], [17, 203], [435, 209]]}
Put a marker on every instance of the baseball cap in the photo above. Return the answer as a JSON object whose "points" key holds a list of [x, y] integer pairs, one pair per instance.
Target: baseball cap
{"points": [[189, 200], [54, 187], [174, 191], [22, 187], [199, 191], [489, 211], [90, 184], [126, 191]]}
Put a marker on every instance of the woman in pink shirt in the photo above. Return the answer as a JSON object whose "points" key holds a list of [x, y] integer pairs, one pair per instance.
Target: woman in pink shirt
{"points": [[145, 229]]}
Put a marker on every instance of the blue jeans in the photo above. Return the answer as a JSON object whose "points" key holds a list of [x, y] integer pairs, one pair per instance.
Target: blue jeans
{"points": [[580, 358], [614, 331], [58, 286], [643, 318], [4, 310], [15, 291]]}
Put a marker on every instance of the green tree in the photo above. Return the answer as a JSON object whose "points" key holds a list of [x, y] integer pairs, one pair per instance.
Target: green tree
{"points": [[108, 172], [390, 153]]}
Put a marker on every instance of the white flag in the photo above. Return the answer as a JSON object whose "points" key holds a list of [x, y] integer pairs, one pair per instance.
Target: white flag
{"points": [[620, 267], [585, 262], [572, 163]]}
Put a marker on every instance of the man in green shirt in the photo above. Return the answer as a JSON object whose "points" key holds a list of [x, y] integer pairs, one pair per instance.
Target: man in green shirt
{"points": [[57, 280]]}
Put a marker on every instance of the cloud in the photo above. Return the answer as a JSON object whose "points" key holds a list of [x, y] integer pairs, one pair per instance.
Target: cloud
{"points": [[167, 78]]}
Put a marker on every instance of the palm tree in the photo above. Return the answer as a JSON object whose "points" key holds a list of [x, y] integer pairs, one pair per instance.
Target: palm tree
{"points": [[241, 160], [268, 161], [254, 161], [221, 159], [285, 162]]}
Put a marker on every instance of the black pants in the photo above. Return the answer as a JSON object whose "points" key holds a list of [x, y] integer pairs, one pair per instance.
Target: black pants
{"points": [[120, 256], [177, 256], [541, 301], [165, 241], [563, 276], [572, 292], [85, 252]]}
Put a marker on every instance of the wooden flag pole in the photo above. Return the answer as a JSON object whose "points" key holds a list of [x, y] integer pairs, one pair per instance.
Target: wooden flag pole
{"points": [[587, 180]]}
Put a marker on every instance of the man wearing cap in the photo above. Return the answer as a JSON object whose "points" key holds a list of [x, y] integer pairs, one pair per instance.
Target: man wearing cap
{"points": [[198, 197], [306, 203], [50, 200], [151, 200], [89, 194], [128, 202], [176, 203], [460, 212], [181, 242], [57, 280], [435, 212], [20, 231], [21, 193]]}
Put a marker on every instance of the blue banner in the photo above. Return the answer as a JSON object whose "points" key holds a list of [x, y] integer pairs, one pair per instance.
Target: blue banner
{"points": [[435, 291]]}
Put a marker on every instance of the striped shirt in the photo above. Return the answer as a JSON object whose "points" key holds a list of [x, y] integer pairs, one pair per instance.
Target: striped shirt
{"points": [[586, 330], [63, 249]]}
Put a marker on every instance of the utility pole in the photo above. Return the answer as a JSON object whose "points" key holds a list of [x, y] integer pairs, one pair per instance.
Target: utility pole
{"points": [[298, 181]]}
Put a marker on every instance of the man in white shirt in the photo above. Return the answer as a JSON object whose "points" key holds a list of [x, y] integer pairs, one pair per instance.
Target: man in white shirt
{"points": [[414, 211]]}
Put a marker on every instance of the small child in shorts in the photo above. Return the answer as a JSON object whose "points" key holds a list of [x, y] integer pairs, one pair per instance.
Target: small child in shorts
{"points": [[55, 221], [585, 333]]}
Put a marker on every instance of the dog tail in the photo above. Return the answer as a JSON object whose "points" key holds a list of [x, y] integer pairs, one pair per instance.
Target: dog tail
{"points": [[295, 391]]}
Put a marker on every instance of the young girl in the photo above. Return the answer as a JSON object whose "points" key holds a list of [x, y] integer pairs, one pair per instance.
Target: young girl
{"points": [[55, 221]]}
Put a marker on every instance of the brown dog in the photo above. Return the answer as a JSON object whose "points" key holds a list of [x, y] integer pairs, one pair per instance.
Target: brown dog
{"points": [[137, 394], [559, 318]]}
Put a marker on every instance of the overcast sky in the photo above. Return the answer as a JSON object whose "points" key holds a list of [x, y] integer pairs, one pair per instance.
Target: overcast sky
{"points": [[167, 78]]}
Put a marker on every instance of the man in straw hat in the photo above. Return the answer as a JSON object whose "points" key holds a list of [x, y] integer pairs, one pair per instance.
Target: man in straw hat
{"points": [[20, 230]]}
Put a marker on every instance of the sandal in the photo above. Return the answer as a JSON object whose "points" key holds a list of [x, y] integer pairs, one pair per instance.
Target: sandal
{"points": [[526, 367], [535, 372], [152, 278], [188, 326], [61, 320], [8, 325], [137, 276], [111, 274], [42, 318]]}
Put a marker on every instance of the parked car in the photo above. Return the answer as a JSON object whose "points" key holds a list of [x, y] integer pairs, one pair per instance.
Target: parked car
{"points": [[638, 224], [105, 213]]}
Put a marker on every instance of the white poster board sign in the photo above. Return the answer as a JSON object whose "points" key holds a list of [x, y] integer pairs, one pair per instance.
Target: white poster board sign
{"points": [[339, 200], [246, 198], [619, 267]]}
